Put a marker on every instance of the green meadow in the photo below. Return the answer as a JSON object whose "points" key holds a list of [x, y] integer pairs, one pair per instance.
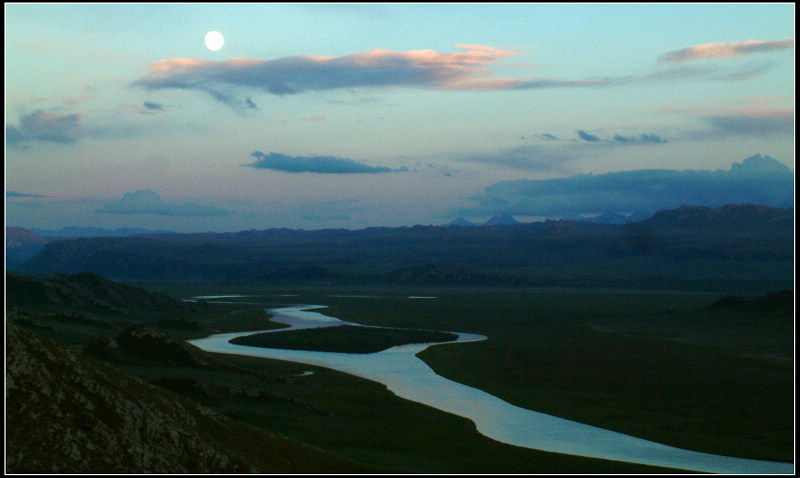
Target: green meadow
{"points": [[571, 353], [681, 368]]}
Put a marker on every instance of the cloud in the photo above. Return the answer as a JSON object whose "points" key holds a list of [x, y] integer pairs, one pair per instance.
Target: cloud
{"points": [[292, 75], [24, 195], [43, 126], [28, 197], [149, 202], [555, 153], [530, 157], [760, 180], [152, 106], [642, 138], [229, 80], [724, 50], [753, 126], [587, 137], [620, 139], [759, 119], [742, 122], [314, 164]]}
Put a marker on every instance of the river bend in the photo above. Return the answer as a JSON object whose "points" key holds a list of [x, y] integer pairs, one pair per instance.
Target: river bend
{"points": [[409, 377]]}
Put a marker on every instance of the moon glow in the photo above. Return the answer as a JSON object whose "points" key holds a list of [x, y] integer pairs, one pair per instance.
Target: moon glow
{"points": [[214, 40]]}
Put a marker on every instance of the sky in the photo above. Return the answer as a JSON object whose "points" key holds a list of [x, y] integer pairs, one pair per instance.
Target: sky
{"points": [[316, 116]]}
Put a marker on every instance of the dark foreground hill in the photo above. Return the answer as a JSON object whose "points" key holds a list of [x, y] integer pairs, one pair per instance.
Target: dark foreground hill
{"points": [[89, 292], [22, 245], [690, 247], [68, 414]]}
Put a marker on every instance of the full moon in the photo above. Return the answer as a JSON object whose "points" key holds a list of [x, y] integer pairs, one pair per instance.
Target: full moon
{"points": [[214, 40]]}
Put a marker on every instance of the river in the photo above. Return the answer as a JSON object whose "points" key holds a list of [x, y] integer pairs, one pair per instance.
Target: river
{"points": [[409, 377]]}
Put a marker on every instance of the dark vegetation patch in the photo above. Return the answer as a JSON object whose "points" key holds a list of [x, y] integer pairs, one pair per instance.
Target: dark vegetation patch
{"points": [[344, 339], [761, 326]]}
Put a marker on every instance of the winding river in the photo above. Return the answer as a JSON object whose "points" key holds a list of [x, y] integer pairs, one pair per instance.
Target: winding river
{"points": [[409, 377]]}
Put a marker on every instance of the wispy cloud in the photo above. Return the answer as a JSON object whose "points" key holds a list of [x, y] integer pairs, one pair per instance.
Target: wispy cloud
{"points": [[724, 50], [530, 157], [29, 197], [761, 120], [33, 198], [554, 153], [749, 125], [314, 164], [642, 138], [149, 202], [229, 80]]}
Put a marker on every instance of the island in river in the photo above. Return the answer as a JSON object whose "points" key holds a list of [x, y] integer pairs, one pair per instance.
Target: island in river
{"points": [[344, 339]]}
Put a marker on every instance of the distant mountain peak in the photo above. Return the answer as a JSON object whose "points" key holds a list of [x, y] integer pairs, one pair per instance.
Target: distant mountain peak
{"points": [[760, 164], [459, 221], [21, 237], [500, 220]]}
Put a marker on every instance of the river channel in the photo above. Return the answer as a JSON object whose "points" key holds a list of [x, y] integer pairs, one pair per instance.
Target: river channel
{"points": [[410, 378]]}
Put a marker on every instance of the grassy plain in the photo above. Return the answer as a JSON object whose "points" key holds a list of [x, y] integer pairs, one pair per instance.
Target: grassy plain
{"points": [[361, 420], [606, 357], [545, 353]]}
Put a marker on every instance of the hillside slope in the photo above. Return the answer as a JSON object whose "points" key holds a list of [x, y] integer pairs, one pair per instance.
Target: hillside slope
{"points": [[22, 245], [87, 291], [68, 414]]}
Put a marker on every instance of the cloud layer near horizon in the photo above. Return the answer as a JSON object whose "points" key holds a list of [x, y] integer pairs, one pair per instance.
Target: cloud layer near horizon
{"points": [[760, 180], [149, 202]]}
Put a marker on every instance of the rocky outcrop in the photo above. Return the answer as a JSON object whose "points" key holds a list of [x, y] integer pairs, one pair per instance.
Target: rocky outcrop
{"points": [[69, 414]]}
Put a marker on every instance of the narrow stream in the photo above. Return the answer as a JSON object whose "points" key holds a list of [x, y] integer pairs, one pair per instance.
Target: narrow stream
{"points": [[409, 377]]}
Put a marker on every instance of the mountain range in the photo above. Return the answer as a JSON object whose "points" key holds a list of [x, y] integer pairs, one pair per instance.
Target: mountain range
{"points": [[750, 242]]}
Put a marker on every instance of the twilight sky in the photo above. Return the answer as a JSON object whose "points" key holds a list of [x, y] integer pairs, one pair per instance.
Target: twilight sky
{"points": [[320, 116]]}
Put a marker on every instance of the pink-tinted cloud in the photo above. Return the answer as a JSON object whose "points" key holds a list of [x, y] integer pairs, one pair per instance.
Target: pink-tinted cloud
{"points": [[756, 108], [725, 50], [375, 68]]}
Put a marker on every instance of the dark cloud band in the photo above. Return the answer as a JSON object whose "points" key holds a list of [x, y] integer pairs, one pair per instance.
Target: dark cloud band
{"points": [[313, 164]]}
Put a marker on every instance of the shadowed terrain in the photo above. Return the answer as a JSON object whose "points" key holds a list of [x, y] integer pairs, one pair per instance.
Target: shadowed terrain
{"points": [[68, 414]]}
